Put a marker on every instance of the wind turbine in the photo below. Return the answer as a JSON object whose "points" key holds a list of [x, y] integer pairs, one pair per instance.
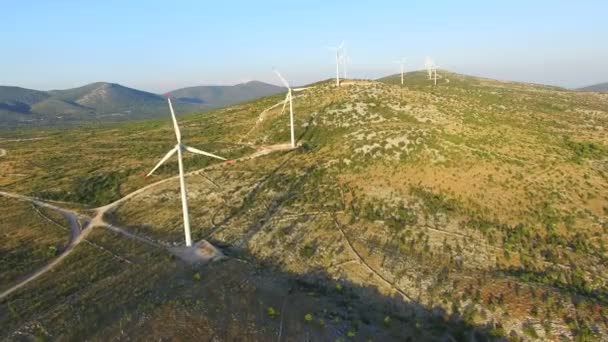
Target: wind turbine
{"points": [[435, 72], [402, 63], [338, 50], [345, 60], [289, 98], [428, 64], [179, 148]]}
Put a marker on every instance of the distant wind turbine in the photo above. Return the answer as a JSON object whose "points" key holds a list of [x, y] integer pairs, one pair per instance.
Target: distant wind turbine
{"points": [[289, 98], [345, 61], [428, 64], [338, 50], [179, 148], [402, 64]]}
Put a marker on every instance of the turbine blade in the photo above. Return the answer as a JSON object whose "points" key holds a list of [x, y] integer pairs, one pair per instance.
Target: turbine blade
{"points": [[282, 79], [167, 156], [197, 151], [300, 89], [178, 134]]}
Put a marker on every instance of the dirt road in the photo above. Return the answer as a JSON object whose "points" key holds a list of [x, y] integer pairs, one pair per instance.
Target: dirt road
{"points": [[76, 235]]}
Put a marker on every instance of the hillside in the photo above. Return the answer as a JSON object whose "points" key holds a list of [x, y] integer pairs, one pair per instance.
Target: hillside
{"points": [[220, 96], [91, 103], [16, 103], [21, 95], [596, 87], [476, 208], [109, 99], [107, 102]]}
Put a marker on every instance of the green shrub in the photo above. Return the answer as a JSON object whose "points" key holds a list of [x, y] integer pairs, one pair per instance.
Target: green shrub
{"points": [[272, 312], [98, 189], [530, 331], [307, 251], [586, 150]]}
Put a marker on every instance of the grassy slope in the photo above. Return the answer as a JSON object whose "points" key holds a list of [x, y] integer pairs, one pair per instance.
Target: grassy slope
{"points": [[484, 198], [29, 240]]}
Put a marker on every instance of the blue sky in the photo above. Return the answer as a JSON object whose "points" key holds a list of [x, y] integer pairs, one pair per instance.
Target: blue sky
{"points": [[163, 45]]}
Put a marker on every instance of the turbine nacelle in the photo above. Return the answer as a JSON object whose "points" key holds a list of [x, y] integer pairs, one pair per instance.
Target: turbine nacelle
{"points": [[183, 147]]}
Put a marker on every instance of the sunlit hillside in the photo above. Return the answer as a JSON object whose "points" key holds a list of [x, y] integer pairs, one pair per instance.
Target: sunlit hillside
{"points": [[471, 208]]}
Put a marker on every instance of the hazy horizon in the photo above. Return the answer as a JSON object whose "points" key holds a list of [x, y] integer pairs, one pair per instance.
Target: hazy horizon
{"points": [[155, 47]]}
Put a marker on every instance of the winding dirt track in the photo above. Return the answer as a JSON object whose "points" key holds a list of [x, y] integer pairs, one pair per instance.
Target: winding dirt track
{"points": [[362, 261], [3, 151], [262, 116], [77, 234]]}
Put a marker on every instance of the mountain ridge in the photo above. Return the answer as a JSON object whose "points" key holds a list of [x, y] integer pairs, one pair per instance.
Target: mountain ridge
{"points": [[222, 95], [107, 101], [595, 87]]}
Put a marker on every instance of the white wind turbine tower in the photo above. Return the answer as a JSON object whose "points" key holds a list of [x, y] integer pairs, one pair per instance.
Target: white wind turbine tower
{"points": [[289, 98], [402, 63], [435, 73], [338, 50], [179, 148]]}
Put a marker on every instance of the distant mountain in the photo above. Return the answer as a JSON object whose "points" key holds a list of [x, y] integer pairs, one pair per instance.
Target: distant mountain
{"points": [[16, 103], [94, 102], [103, 101], [21, 95], [219, 96], [110, 99], [596, 87]]}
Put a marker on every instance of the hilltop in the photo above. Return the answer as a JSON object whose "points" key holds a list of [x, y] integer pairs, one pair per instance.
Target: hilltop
{"points": [[595, 87], [107, 102], [91, 103], [221, 96], [472, 208]]}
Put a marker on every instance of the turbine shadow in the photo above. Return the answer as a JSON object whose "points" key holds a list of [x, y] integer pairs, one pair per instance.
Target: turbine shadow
{"points": [[242, 298], [248, 200]]}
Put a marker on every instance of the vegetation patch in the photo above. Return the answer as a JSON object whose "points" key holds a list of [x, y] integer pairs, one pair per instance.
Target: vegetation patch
{"points": [[94, 190], [586, 150]]}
